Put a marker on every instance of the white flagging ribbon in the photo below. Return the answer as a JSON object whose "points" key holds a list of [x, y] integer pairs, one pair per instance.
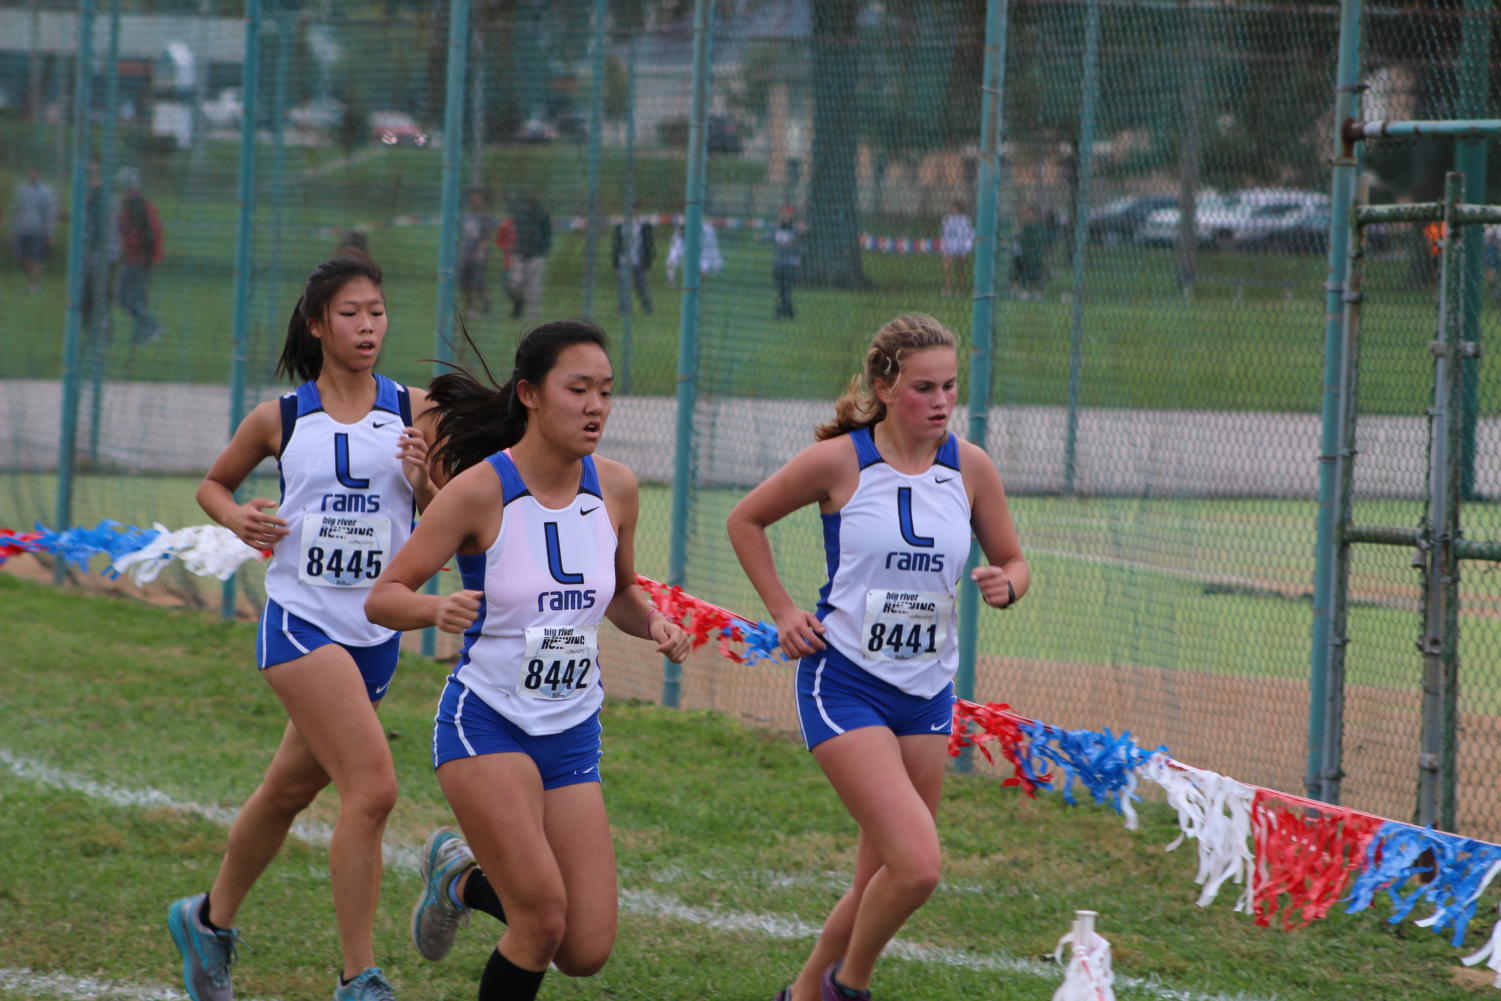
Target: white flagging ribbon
{"points": [[1215, 811], [1089, 977], [205, 550], [1491, 951]]}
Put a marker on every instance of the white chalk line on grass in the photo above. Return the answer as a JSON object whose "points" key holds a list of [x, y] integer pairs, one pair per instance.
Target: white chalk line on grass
{"points": [[61, 987], [644, 903]]}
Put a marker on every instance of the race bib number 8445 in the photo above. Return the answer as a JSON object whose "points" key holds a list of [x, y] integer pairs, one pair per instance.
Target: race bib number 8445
{"points": [[343, 550]]}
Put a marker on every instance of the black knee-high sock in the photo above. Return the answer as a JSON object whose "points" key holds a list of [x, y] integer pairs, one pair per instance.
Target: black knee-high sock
{"points": [[503, 980], [479, 895]]}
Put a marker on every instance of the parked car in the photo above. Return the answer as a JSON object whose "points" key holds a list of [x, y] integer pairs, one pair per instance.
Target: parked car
{"points": [[1271, 212], [1120, 221], [535, 130], [1214, 214], [397, 128], [1303, 230], [1223, 219], [320, 114]]}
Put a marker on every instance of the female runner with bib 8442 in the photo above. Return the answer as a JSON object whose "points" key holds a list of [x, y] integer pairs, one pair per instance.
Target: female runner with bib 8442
{"points": [[900, 497], [545, 537], [353, 464]]}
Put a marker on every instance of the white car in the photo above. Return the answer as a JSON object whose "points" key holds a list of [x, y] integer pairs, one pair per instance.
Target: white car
{"points": [[1214, 215], [1276, 213], [1222, 219]]}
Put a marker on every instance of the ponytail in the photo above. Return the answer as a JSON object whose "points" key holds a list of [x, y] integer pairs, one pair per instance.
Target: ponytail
{"points": [[860, 407], [477, 419]]}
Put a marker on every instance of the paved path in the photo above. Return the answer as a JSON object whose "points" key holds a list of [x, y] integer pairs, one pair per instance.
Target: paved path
{"points": [[179, 428]]}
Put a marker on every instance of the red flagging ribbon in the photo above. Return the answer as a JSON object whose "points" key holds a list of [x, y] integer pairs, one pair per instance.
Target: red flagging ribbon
{"points": [[703, 620], [998, 726], [1306, 851]]}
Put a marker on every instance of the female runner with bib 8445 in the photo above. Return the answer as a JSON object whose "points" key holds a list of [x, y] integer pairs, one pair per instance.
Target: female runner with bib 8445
{"points": [[545, 537], [353, 464], [900, 497]]}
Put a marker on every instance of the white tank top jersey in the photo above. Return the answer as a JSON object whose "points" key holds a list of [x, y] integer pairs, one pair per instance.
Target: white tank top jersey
{"points": [[895, 552], [348, 508], [532, 654]]}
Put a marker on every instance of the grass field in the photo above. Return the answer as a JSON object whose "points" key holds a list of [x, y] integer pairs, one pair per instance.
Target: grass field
{"points": [[133, 730]]}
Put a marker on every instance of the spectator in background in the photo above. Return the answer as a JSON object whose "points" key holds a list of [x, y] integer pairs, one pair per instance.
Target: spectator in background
{"points": [[140, 249], [710, 261], [533, 242], [955, 242], [632, 250], [33, 216], [1029, 254], [355, 239], [505, 239], [786, 258], [99, 252], [475, 230]]}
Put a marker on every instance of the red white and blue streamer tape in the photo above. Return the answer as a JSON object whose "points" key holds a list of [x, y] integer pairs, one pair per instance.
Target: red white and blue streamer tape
{"points": [[139, 553]]}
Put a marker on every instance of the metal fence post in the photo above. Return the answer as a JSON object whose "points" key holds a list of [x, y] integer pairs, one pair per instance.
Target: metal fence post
{"points": [[1327, 540], [76, 255], [1083, 165], [687, 394], [982, 311], [448, 232], [239, 355]]}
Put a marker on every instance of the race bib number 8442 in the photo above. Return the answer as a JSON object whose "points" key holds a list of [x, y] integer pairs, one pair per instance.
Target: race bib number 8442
{"points": [[560, 661]]}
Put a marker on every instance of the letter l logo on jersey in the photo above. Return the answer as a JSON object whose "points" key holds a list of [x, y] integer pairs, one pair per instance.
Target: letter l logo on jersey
{"points": [[341, 464], [555, 556], [904, 516]]}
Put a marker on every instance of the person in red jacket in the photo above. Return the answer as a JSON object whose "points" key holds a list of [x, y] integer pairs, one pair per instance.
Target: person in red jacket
{"points": [[505, 239], [140, 248]]}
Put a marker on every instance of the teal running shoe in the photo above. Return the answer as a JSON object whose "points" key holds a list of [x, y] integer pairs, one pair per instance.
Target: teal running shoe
{"points": [[436, 919], [370, 985], [207, 954]]}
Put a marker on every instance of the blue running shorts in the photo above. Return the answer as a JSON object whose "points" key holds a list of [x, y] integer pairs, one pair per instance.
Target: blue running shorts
{"points": [[835, 694], [283, 636], [466, 727]]}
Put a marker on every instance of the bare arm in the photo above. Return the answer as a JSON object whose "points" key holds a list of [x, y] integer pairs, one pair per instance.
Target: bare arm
{"points": [[257, 437], [1007, 576], [630, 609], [416, 448], [813, 476], [460, 516]]}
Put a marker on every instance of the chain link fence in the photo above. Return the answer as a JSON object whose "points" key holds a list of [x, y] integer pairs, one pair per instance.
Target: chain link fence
{"points": [[1163, 227]]}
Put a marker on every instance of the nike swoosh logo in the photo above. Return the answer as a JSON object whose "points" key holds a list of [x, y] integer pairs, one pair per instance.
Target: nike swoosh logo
{"points": [[382, 689], [942, 479], [381, 424], [590, 510], [937, 726]]}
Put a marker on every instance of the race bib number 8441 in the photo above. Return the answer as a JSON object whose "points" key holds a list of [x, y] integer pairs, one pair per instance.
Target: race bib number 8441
{"points": [[906, 625]]}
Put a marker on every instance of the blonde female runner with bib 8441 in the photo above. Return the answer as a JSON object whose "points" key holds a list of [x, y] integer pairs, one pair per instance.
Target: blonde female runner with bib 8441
{"points": [[901, 498]]}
